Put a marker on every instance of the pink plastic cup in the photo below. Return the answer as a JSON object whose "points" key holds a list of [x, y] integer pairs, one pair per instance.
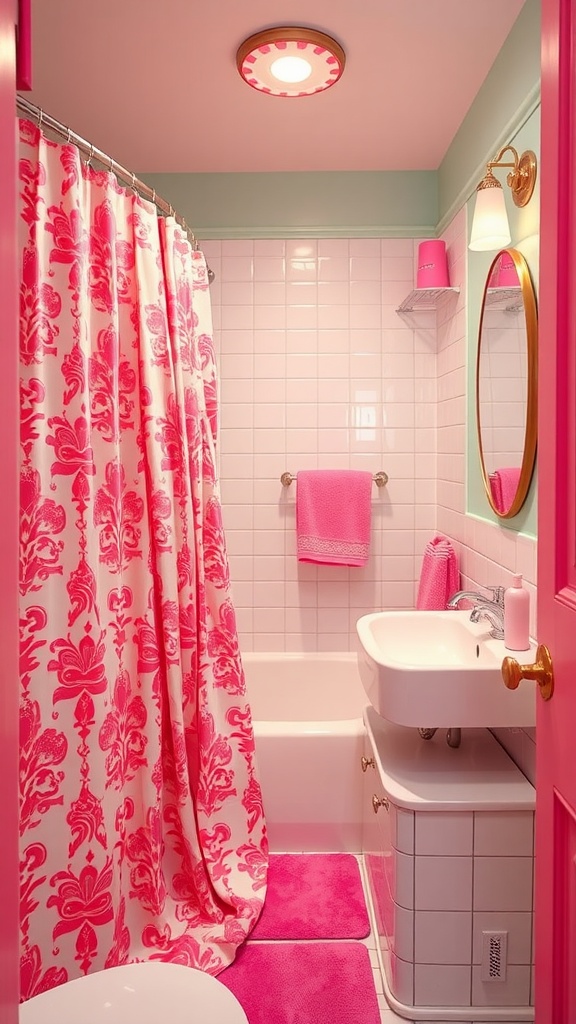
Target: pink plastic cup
{"points": [[432, 264], [505, 275]]}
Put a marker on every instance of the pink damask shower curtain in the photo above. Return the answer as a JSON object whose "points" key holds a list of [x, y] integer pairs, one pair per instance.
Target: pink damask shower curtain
{"points": [[142, 828]]}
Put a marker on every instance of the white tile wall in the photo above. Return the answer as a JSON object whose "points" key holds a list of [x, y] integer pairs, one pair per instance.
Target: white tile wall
{"points": [[442, 937], [514, 991], [401, 829], [449, 834], [519, 928], [441, 985], [503, 883], [319, 371], [399, 870], [443, 883], [507, 835]]}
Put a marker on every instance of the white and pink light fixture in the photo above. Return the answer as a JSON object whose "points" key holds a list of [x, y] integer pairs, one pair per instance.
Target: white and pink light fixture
{"points": [[490, 228], [288, 61]]}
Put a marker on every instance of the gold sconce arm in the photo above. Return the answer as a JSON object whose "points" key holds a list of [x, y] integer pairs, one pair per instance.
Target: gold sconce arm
{"points": [[522, 177]]}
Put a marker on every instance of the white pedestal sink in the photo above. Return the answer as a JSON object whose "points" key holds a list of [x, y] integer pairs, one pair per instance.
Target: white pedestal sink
{"points": [[439, 670]]}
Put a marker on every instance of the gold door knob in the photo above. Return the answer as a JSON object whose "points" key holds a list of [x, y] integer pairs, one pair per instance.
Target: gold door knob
{"points": [[367, 762], [541, 671], [378, 802]]}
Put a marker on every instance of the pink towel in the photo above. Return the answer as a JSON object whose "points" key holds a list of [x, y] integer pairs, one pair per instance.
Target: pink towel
{"points": [[440, 575], [504, 484], [333, 510]]}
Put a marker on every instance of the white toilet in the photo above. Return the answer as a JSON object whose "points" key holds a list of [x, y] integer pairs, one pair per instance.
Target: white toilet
{"points": [[146, 993]]}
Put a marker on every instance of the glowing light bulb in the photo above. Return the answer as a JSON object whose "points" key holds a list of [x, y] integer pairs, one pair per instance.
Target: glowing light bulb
{"points": [[291, 69]]}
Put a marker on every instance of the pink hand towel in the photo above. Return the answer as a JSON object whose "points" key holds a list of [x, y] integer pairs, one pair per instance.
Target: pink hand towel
{"points": [[504, 484], [440, 575], [333, 510]]}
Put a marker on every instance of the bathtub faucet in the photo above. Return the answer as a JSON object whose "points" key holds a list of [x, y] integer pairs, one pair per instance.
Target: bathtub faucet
{"points": [[484, 608]]}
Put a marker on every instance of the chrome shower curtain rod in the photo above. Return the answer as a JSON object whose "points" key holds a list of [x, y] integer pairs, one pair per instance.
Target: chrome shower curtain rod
{"points": [[93, 153]]}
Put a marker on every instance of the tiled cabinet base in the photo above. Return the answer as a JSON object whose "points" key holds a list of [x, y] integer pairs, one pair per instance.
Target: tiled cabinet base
{"points": [[440, 879]]}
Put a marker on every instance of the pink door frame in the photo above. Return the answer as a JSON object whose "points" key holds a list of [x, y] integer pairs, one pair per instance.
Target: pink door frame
{"points": [[9, 526], [555, 778]]}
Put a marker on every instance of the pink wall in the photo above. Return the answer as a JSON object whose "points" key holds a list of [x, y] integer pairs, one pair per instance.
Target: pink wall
{"points": [[9, 531], [319, 371]]}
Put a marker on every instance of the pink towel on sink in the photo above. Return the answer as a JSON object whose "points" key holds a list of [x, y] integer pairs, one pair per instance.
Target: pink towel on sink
{"points": [[439, 577], [333, 511]]}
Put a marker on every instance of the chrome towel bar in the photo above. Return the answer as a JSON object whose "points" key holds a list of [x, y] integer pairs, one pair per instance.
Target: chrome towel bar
{"points": [[380, 478]]}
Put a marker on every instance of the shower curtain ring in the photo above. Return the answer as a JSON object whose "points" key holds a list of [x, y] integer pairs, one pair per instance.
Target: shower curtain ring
{"points": [[90, 155], [133, 185], [110, 169], [40, 117], [154, 195], [171, 214], [69, 136]]}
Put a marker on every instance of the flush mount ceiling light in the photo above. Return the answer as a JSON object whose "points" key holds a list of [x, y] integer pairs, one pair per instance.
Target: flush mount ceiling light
{"points": [[490, 229], [287, 61]]}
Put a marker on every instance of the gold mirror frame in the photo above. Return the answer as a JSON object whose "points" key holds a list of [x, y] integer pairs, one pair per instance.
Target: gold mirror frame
{"points": [[530, 434]]}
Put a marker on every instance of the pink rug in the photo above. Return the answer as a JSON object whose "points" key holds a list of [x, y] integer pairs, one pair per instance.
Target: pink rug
{"points": [[304, 983], [313, 896]]}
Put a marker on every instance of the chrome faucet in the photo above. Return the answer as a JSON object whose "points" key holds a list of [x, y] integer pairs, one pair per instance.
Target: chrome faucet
{"points": [[484, 608]]}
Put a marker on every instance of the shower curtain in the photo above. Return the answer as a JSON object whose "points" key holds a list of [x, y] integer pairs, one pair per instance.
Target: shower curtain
{"points": [[143, 834]]}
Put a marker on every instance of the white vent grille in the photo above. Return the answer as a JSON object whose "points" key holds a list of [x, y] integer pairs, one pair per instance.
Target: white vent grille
{"points": [[494, 948]]}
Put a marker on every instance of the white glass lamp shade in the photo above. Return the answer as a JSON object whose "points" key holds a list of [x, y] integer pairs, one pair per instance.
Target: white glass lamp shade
{"points": [[490, 229]]}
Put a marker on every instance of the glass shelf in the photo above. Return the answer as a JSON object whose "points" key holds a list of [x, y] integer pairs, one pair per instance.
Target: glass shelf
{"points": [[424, 298], [508, 299]]}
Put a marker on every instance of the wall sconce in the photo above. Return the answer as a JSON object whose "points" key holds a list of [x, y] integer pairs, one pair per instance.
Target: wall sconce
{"points": [[490, 228]]}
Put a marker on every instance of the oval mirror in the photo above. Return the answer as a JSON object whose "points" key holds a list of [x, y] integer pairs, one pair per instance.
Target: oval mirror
{"points": [[506, 383]]}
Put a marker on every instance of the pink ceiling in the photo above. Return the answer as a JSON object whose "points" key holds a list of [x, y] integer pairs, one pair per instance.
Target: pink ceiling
{"points": [[155, 84]]}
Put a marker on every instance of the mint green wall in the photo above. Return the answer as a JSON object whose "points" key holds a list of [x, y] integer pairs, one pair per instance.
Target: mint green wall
{"points": [[524, 230], [300, 204], [370, 203], [509, 95]]}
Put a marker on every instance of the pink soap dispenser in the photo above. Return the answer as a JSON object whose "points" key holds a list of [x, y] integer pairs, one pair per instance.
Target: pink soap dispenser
{"points": [[516, 616]]}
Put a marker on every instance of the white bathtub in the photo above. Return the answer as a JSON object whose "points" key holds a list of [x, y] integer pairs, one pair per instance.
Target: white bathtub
{"points": [[307, 712]]}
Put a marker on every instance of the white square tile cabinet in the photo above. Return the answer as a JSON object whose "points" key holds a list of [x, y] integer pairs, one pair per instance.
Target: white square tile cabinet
{"points": [[448, 837]]}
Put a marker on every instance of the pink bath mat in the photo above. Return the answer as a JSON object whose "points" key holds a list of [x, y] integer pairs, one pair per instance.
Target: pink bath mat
{"points": [[313, 896], [304, 983]]}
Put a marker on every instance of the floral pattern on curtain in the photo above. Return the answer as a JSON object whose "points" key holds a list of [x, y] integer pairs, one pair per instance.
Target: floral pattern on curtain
{"points": [[143, 834]]}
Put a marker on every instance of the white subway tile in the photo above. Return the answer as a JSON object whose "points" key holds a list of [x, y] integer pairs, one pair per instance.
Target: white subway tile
{"points": [[400, 977], [443, 883], [400, 872], [333, 268], [444, 833], [514, 991], [269, 268], [236, 268], [304, 340], [333, 247], [441, 985], [402, 941], [504, 833], [503, 883], [442, 937]]}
